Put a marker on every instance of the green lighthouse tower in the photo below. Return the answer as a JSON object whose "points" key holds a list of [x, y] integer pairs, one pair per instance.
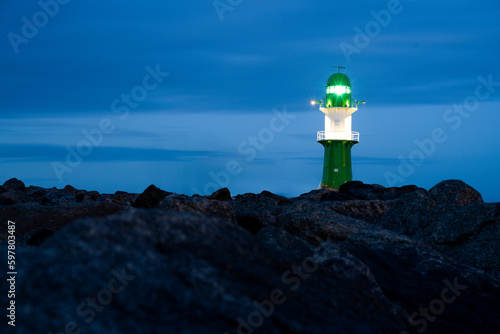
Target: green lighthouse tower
{"points": [[337, 139]]}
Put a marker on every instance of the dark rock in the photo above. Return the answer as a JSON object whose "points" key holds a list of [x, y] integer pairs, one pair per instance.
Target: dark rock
{"points": [[414, 278], [441, 218], [36, 193], [316, 224], [14, 184], [205, 272], [364, 259], [392, 193], [406, 215], [201, 205], [369, 211], [37, 237], [455, 192], [69, 189], [263, 206], [222, 195], [187, 273], [334, 196], [252, 223], [314, 195], [358, 189], [33, 216], [150, 197], [12, 197], [286, 242], [60, 197], [280, 200], [94, 195]]}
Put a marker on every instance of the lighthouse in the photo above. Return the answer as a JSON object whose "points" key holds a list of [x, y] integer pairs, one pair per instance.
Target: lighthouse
{"points": [[337, 139]]}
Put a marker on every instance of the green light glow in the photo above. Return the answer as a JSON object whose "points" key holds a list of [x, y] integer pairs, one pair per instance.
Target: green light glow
{"points": [[339, 90]]}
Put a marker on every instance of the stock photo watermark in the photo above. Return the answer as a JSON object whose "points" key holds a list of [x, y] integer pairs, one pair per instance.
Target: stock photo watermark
{"points": [[31, 26], [121, 107], [224, 6], [454, 117], [249, 150], [88, 308], [372, 29], [437, 306]]}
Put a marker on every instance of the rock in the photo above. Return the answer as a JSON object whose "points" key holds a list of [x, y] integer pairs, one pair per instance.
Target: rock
{"points": [[14, 184], [392, 193], [60, 197], [252, 223], [286, 242], [358, 189], [334, 196], [315, 195], [150, 197], [280, 200], [211, 208], [364, 259], [188, 273], [12, 197], [415, 277], [36, 237], [69, 189], [407, 214], [263, 206], [83, 196], [33, 216], [36, 193], [315, 223], [468, 233], [369, 211], [455, 192], [222, 195]]}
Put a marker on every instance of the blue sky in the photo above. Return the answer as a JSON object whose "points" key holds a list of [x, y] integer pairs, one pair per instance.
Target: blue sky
{"points": [[191, 130]]}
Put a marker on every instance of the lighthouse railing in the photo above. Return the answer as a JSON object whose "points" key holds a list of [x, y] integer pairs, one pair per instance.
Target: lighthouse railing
{"points": [[332, 135]]}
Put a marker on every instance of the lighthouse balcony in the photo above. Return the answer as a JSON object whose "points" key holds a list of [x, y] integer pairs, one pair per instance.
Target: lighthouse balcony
{"points": [[332, 135]]}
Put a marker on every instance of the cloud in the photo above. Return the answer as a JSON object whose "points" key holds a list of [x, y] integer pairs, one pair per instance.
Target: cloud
{"points": [[49, 153]]}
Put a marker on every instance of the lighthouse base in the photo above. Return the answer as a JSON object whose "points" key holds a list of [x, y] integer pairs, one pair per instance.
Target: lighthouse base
{"points": [[337, 168]]}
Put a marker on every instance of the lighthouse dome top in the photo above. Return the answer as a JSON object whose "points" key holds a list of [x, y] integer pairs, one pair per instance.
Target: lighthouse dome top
{"points": [[339, 79], [338, 91]]}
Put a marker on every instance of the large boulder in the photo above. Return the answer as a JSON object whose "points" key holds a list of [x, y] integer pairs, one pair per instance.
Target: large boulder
{"points": [[455, 192], [453, 219]]}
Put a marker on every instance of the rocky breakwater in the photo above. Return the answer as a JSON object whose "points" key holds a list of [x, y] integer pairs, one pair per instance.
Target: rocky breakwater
{"points": [[364, 259]]}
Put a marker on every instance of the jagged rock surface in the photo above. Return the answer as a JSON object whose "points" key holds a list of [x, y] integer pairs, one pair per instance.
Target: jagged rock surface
{"points": [[364, 259]]}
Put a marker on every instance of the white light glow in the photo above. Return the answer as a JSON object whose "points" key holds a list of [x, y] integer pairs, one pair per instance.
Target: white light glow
{"points": [[339, 90]]}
